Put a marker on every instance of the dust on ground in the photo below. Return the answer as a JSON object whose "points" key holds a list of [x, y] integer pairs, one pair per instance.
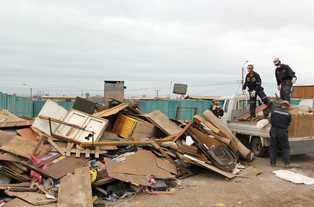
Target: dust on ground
{"points": [[264, 190]]}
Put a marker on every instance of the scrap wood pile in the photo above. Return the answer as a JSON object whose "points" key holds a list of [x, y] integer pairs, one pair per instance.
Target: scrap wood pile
{"points": [[88, 155]]}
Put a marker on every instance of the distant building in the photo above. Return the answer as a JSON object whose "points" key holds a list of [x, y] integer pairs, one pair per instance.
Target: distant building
{"points": [[114, 90]]}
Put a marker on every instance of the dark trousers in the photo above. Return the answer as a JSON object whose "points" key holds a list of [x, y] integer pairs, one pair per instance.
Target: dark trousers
{"points": [[285, 90], [260, 93], [279, 139]]}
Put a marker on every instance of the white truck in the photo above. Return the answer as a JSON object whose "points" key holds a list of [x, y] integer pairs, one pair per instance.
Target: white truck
{"points": [[301, 131]]}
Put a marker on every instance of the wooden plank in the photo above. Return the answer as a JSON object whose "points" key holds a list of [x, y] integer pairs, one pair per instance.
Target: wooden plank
{"points": [[206, 123], [182, 131], [49, 139], [210, 167], [97, 152], [236, 145], [87, 153], [111, 111], [75, 190], [78, 152], [121, 143], [68, 149]]}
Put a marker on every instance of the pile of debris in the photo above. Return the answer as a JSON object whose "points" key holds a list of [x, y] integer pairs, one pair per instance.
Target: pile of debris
{"points": [[90, 155]]}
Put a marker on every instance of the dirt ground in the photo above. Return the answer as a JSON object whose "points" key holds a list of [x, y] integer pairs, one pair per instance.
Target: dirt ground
{"points": [[265, 190]]}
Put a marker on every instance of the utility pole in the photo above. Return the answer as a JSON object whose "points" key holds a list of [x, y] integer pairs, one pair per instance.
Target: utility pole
{"points": [[31, 92], [157, 92], [170, 89], [242, 72]]}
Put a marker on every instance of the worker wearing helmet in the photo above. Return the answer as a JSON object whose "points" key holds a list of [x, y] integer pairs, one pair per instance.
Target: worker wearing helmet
{"points": [[280, 121], [285, 77], [254, 84]]}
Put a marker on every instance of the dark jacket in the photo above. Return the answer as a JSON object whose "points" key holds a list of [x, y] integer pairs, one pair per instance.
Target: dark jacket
{"points": [[252, 82], [217, 110], [284, 73], [280, 118]]}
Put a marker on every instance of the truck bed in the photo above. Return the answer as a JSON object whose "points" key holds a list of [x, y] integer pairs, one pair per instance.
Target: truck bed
{"points": [[248, 128]]}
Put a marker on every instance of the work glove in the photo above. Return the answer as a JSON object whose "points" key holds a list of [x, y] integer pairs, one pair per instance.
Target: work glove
{"points": [[294, 80], [278, 87], [252, 93]]}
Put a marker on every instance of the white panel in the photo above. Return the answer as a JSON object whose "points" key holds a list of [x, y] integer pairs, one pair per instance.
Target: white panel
{"points": [[95, 125], [53, 110], [73, 117]]}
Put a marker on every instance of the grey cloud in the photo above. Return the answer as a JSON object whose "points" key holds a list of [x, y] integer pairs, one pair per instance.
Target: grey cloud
{"points": [[76, 44]]}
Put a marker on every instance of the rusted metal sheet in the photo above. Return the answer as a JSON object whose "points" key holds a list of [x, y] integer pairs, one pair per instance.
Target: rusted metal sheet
{"points": [[75, 189]]}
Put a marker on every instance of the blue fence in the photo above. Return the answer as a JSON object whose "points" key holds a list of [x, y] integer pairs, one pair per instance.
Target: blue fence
{"points": [[22, 106], [176, 109]]}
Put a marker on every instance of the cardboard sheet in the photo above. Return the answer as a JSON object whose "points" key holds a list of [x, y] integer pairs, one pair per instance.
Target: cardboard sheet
{"points": [[136, 167], [75, 189]]}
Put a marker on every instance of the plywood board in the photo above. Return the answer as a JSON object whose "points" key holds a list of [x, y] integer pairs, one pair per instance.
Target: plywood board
{"points": [[20, 146], [75, 189], [161, 121], [8, 120]]}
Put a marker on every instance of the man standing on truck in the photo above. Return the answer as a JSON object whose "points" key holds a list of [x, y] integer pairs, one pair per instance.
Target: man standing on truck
{"points": [[254, 84], [285, 77], [280, 121]]}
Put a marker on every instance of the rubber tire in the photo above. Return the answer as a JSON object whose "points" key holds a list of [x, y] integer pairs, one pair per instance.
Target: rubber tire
{"points": [[258, 149]]}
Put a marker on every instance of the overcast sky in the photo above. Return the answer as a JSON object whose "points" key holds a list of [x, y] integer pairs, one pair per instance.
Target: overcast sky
{"points": [[70, 46]]}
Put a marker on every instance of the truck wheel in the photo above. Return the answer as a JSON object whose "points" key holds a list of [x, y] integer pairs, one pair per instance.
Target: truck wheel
{"points": [[257, 147]]}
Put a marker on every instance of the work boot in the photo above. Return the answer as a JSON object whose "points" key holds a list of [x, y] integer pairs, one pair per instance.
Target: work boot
{"points": [[287, 165], [273, 164]]}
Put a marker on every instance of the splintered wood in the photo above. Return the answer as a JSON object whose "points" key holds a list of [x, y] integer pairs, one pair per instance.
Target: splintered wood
{"points": [[75, 189]]}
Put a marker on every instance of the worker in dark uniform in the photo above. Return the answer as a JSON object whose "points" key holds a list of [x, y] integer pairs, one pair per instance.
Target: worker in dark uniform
{"points": [[216, 109], [285, 77], [280, 121], [254, 84]]}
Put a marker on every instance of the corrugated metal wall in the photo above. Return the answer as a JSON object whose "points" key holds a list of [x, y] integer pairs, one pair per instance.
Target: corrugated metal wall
{"points": [[22, 106], [176, 109]]}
